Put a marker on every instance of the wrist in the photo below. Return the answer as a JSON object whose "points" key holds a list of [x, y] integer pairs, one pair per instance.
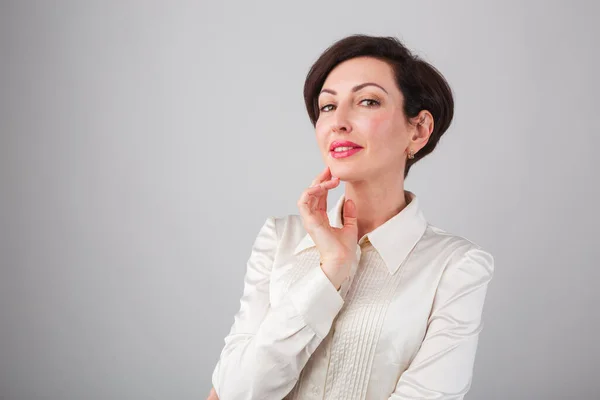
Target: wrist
{"points": [[336, 272]]}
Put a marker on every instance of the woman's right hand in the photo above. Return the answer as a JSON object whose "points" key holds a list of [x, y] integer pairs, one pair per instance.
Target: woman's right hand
{"points": [[337, 246]]}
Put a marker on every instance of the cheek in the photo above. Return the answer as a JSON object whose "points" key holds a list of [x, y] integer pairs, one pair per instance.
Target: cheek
{"points": [[379, 128], [378, 122], [321, 133], [319, 127]]}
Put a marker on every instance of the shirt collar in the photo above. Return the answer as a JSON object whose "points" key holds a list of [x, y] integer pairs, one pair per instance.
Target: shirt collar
{"points": [[393, 240]]}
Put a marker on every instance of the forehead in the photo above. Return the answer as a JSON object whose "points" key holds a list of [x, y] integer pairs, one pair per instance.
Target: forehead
{"points": [[358, 70]]}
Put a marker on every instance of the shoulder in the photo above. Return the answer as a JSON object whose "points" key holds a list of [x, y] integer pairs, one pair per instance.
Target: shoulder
{"points": [[289, 225], [454, 250], [287, 229], [286, 222]]}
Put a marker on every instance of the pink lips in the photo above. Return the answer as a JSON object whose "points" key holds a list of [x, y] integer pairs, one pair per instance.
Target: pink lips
{"points": [[343, 154]]}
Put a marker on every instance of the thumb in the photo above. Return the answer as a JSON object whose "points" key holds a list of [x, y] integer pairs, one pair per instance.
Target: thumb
{"points": [[350, 214]]}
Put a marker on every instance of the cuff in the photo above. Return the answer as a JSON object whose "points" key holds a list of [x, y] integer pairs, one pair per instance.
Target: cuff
{"points": [[317, 300]]}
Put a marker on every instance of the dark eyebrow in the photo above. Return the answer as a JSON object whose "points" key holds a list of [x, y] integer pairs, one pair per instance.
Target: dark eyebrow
{"points": [[355, 88]]}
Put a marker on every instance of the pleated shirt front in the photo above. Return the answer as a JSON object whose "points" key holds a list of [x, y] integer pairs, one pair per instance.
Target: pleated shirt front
{"points": [[404, 326]]}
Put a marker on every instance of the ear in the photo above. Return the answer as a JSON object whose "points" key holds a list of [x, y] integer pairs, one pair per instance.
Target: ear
{"points": [[423, 127]]}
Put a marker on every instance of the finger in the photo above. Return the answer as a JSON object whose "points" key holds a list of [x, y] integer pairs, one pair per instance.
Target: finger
{"points": [[315, 197], [333, 182], [350, 214], [306, 207], [308, 202], [309, 195], [323, 176], [328, 185], [320, 190]]}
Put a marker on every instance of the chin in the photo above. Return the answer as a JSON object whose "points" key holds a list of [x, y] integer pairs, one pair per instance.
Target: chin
{"points": [[346, 173]]}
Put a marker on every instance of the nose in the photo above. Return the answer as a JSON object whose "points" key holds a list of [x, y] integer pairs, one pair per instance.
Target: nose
{"points": [[341, 121]]}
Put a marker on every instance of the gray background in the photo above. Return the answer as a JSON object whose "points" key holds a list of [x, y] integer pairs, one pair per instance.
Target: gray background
{"points": [[143, 144]]}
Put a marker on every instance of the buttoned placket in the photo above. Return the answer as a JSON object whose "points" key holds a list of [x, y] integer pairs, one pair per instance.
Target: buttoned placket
{"points": [[358, 254], [318, 390]]}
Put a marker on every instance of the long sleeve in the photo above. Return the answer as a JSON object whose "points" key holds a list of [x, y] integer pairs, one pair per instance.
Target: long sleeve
{"points": [[443, 366], [267, 347]]}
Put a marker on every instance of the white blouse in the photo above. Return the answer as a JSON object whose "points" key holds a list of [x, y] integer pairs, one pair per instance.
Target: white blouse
{"points": [[405, 326]]}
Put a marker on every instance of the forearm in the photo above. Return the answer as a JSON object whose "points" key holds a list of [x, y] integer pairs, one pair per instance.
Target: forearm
{"points": [[268, 363]]}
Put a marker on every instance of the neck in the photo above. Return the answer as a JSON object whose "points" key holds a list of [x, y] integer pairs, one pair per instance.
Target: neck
{"points": [[375, 204]]}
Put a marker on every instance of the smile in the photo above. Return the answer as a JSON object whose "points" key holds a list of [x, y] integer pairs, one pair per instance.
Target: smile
{"points": [[343, 152]]}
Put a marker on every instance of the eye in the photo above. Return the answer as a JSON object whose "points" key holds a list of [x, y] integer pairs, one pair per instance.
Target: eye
{"points": [[372, 100], [373, 103], [322, 109]]}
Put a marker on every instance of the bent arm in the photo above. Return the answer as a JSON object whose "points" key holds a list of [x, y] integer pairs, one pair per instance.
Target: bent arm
{"points": [[267, 347]]}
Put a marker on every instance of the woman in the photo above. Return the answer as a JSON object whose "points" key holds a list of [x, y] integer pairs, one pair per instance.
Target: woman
{"points": [[368, 300]]}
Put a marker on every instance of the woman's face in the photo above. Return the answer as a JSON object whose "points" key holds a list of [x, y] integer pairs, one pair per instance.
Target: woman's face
{"points": [[353, 108]]}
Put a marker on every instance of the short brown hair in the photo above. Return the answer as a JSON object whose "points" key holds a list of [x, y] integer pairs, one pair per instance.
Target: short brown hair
{"points": [[421, 84]]}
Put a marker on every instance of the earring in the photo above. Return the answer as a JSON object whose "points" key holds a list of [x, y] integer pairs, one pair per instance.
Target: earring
{"points": [[411, 154]]}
